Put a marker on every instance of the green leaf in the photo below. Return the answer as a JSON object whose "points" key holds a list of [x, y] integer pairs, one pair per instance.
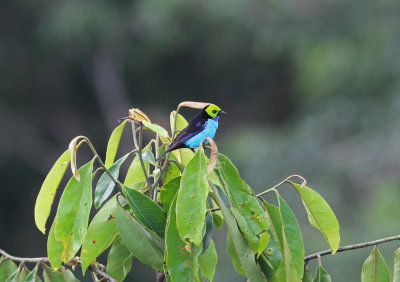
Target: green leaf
{"points": [[292, 233], [101, 233], [62, 275], [322, 276], [168, 192], [172, 171], [7, 267], [119, 260], [208, 261], [320, 215], [135, 172], [231, 250], [184, 155], [374, 268], [181, 122], [146, 211], [191, 199], [273, 253], [238, 242], [246, 208], [105, 185], [48, 190], [181, 258], [113, 143], [218, 221], [396, 255], [143, 244], [286, 270], [32, 276], [19, 275], [267, 268], [72, 216], [149, 157], [208, 232], [155, 128], [308, 277], [54, 249]]}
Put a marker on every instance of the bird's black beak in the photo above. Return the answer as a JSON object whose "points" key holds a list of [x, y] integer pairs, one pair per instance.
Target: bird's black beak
{"points": [[222, 112]]}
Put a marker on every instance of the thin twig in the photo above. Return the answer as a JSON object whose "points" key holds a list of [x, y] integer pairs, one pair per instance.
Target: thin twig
{"points": [[139, 153], [162, 169], [46, 259], [5, 254], [283, 181], [352, 247], [102, 273], [96, 155]]}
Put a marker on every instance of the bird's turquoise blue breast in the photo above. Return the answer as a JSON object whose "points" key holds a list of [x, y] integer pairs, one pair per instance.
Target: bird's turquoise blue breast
{"points": [[208, 131]]}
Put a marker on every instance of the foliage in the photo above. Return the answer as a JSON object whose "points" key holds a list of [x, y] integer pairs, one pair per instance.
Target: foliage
{"points": [[167, 223]]}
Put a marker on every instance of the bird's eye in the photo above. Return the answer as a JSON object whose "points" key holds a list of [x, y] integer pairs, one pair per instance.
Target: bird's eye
{"points": [[214, 111]]}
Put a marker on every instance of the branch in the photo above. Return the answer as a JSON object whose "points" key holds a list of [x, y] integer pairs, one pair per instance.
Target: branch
{"points": [[102, 273], [41, 259], [352, 247], [46, 259]]}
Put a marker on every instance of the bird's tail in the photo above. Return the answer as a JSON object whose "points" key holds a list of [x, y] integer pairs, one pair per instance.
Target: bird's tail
{"points": [[162, 155]]}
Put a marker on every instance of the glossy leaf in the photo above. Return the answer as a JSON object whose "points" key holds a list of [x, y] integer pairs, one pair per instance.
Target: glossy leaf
{"points": [[62, 275], [231, 250], [247, 210], [138, 114], [168, 192], [191, 199], [182, 258], [119, 260], [183, 155], [172, 170], [105, 185], [72, 216], [48, 190], [273, 253], [54, 249], [267, 268], [149, 157], [396, 256], [135, 172], [239, 245], [321, 275], [308, 277], [101, 233], [208, 261], [320, 215], [7, 267], [293, 236], [19, 275], [180, 124], [32, 276], [113, 143], [155, 128], [286, 270], [143, 244], [218, 221], [375, 268], [146, 211], [208, 232]]}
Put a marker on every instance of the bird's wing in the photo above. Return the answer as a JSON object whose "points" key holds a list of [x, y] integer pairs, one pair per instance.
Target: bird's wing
{"points": [[195, 126]]}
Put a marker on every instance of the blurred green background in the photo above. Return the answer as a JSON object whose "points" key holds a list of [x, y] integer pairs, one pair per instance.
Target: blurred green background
{"points": [[311, 87]]}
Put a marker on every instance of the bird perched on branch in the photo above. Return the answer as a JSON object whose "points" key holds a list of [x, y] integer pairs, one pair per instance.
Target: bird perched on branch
{"points": [[201, 126]]}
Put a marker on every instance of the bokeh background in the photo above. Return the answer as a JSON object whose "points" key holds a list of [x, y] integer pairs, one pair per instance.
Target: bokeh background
{"points": [[311, 87]]}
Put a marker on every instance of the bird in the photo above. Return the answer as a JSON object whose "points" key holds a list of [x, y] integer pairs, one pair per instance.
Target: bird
{"points": [[201, 126]]}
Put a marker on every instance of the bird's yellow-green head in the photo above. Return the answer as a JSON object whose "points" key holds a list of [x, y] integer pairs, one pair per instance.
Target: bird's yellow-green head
{"points": [[213, 110]]}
